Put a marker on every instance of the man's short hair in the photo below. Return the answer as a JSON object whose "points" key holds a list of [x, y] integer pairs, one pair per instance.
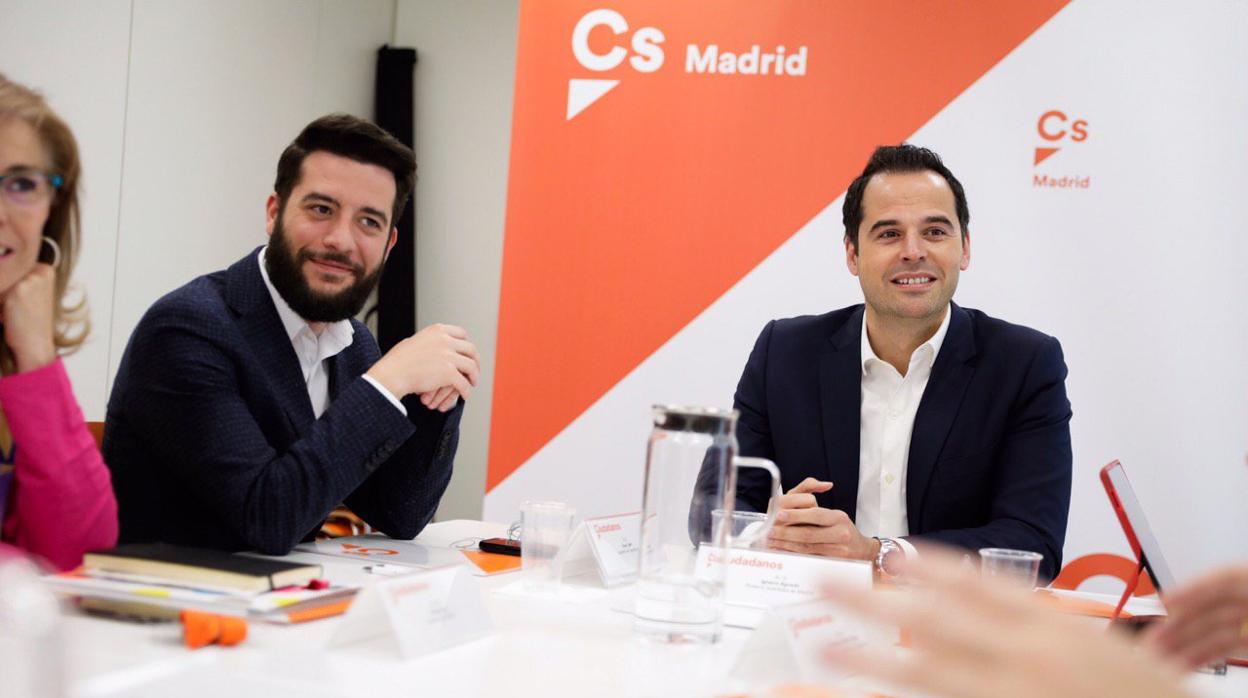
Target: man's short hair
{"points": [[354, 138], [899, 158]]}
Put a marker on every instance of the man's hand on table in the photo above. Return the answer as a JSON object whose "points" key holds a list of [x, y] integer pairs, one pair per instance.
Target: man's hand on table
{"points": [[802, 526]]}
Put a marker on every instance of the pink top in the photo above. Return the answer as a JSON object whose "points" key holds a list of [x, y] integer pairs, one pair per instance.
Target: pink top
{"points": [[60, 502]]}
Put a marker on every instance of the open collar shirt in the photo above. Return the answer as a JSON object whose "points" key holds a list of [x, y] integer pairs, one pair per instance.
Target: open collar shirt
{"points": [[890, 402], [314, 350]]}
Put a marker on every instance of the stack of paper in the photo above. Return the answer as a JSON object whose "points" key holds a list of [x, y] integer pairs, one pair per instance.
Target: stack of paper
{"points": [[154, 581]]}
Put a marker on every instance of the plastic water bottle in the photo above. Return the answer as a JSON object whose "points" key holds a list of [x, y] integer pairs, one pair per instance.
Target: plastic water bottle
{"points": [[31, 641]]}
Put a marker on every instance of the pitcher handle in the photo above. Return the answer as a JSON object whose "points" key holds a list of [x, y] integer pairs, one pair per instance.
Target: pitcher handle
{"points": [[746, 540]]}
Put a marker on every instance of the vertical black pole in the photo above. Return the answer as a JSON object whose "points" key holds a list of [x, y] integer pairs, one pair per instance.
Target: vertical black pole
{"points": [[393, 110]]}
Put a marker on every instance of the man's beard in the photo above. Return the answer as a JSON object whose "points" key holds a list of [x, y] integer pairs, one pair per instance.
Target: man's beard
{"points": [[285, 267]]}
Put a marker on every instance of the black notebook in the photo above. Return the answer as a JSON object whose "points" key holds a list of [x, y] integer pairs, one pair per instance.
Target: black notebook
{"points": [[201, 566]]}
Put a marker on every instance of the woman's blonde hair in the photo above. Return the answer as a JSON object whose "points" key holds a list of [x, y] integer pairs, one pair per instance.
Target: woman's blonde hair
{"points": [[71, 323]]}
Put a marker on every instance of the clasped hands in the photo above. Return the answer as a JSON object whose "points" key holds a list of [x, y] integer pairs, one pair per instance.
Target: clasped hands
{"points": [[802, 526], [438, 364]]}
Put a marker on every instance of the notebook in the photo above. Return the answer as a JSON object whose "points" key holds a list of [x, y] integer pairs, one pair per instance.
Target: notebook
{"points": [[198, 567]]}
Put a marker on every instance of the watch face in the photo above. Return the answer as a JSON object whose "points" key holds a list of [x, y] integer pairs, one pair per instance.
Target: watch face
{"points": [[890, 563], [890, 558]]}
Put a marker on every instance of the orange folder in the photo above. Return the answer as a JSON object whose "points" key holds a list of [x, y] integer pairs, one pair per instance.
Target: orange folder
{"points": [[492, 563]]}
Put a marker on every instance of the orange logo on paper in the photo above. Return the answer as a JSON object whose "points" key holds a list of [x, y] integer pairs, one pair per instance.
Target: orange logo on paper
{"points": [[367, 552], [409, 589], [1054, 126]]}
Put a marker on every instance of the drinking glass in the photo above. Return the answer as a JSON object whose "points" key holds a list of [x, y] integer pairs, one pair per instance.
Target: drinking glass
{"points": [[546, 529], [1015, 567]]}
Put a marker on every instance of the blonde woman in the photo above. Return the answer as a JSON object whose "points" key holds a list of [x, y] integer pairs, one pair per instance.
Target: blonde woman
{"points": [[56, 499]]}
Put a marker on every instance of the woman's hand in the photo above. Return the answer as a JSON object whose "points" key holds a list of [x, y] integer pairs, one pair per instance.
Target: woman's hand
{"points": [[1206, 619], [975, 638], [26, 312]]}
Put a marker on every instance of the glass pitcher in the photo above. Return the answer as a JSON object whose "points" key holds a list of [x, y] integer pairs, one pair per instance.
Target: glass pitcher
{"points": [[691, 471]]}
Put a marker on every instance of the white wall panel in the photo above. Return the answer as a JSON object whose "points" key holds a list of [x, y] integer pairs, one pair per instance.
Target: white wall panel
{"points": [[217, 89], [466, 58], [76, 53], [181, 109], [1137, 275]]}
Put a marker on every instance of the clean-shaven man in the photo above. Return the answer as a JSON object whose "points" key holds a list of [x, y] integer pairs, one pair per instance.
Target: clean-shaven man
{"points": [[908, 419]]}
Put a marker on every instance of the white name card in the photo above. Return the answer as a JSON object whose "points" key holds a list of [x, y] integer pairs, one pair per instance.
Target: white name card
{"points": [[417, 613], [790, 642], [766, 579], [609, 544]]}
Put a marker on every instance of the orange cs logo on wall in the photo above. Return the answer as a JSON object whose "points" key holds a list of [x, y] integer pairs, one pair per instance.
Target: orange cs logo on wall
{"points": [[1055, 127], [1059, 128]]}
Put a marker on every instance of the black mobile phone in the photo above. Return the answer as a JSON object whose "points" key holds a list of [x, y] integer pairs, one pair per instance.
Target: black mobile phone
{"points": [[502, 546]]}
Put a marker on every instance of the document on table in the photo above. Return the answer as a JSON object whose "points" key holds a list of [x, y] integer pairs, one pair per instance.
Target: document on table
{"points": [[387, 550]]}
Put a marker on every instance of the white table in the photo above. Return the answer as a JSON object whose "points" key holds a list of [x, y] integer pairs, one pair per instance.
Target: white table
{"points": [[538, 648]]}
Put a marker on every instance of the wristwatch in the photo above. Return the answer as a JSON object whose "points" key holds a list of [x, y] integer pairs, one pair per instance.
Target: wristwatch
{"points": [[886, 559]]}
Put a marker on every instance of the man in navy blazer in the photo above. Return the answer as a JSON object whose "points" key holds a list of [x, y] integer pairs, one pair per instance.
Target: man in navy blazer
{"points": [[908, 419], [249, 402]]}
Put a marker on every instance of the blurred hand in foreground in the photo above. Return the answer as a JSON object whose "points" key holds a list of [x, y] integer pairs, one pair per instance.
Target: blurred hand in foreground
{"points": [[1206, 620], [972, 638]]}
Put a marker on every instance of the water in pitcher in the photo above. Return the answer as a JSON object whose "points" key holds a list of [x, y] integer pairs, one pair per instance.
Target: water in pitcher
{"points": [[690, 473]]}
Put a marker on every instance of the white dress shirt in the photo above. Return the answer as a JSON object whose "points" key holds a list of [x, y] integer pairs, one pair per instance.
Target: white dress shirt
{"points": [[889, 405], [313, 349]]}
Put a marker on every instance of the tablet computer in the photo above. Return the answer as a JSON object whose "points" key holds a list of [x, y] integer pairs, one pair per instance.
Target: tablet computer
{"points": [[1139, 535], [1131, 516]]}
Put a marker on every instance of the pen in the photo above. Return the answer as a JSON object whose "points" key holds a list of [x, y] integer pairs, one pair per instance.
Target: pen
{"points": [[387, 570]]}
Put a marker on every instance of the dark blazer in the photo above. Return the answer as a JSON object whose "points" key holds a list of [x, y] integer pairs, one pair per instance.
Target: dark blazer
{"points": [[212, 441], [990, 457]]}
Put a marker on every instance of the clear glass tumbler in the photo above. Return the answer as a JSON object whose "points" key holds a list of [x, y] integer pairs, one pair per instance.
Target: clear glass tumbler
{"points": [[546, 529], [742, 527], [1015, 567]]}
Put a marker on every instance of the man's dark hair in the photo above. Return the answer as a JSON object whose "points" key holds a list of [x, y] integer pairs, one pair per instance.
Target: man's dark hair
{"points": [[354, 138], [899, 158]]}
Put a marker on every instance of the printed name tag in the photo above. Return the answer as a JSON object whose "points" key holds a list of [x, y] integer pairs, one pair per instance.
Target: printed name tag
{"points": [[417, 613], [790, 642], [608, 544], [765, 579]]}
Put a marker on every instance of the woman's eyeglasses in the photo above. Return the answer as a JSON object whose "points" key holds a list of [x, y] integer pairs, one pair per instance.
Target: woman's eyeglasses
{"points": [[29, 187]]}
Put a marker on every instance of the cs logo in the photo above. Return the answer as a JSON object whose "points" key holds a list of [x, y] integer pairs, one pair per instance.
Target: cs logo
{"points": [[1054, 126], [646, 56]]}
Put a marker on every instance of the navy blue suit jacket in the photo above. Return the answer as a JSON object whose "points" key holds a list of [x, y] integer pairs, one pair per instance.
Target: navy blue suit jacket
{"points": [[212, 441], [990, 458]]}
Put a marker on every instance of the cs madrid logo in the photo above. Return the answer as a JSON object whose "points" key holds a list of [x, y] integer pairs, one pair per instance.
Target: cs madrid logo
{"points": [[642, 48], [1059, 130], [646, 56]]}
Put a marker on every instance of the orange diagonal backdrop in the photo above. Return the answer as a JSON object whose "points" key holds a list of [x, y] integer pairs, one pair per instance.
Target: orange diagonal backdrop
{"points": [[627, 220]]}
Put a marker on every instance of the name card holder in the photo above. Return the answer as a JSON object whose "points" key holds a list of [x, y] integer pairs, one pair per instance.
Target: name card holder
{"points": [[790, 642], [418, 613], [607, 544], [761, 579]]}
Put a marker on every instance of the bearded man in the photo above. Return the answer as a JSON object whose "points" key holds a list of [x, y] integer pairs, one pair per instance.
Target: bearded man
{"points": [[249, 402]]}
